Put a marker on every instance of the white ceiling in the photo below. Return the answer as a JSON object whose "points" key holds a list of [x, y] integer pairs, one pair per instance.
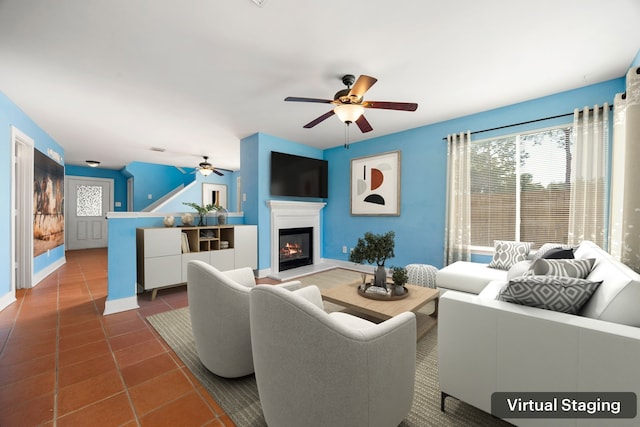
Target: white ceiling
{"points": [[109, 80]]}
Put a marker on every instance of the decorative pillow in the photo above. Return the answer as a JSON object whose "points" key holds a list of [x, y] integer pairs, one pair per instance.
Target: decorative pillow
{"points": [[519, 269], [509, 253], [557, 293], [578, 268], [540, 253], [559, 253]]}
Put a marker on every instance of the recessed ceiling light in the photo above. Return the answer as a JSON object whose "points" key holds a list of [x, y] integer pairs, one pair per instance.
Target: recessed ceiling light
{"points": [[92, 163], [259, 2]]}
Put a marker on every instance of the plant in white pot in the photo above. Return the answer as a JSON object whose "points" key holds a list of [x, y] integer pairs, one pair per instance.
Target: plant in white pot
{"points": [[375, 248]]}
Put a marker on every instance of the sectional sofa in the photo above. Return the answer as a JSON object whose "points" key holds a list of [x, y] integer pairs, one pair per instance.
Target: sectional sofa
{"points": [[487, 345]]}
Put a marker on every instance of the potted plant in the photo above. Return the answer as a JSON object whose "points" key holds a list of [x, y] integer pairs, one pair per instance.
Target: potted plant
{"points": [[375, 248], [202, 210], [400, 278]]}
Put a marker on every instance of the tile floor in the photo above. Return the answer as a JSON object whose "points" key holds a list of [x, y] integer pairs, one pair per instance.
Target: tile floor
{"points": [[62, 363]]}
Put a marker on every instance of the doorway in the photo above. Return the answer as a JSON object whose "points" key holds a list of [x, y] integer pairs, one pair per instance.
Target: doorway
{"points": [[89, 200], [22, 147]]}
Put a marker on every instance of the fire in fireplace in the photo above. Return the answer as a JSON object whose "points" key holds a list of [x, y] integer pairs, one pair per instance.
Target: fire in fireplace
{"points": [[296, 247]]}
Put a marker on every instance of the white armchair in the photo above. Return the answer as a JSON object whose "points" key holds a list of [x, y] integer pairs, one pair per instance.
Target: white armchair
{"points": [[219, 307], [318, 369]]}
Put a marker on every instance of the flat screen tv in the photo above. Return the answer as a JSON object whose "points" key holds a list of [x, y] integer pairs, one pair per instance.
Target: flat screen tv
{"points": [[298, 176]]}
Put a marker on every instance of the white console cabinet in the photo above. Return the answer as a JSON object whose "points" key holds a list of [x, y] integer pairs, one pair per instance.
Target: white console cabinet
{"points": [[163, 253]]}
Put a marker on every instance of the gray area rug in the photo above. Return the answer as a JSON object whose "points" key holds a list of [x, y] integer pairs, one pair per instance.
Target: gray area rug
{"points": [[239, 397]]}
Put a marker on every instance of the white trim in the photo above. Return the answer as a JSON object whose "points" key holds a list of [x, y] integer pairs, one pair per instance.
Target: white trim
{"points": [[289, 214], [6, 300], [42, 274], [119, 305], [112, 215], [24, 236], [168, 198]]}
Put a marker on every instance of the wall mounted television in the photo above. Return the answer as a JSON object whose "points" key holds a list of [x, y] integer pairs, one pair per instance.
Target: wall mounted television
{"points": [[297, 176]]}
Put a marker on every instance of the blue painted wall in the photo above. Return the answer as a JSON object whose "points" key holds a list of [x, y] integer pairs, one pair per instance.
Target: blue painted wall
{"points": [[420, 227], [193, 192], [156, 180], [12, 115], [119, 182]]}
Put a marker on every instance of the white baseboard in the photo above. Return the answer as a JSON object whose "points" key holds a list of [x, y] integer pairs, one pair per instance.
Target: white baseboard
{"points": [[7, 299], [119, 305], [42, 274]]}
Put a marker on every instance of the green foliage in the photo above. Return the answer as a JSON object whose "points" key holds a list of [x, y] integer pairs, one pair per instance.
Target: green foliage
{"points": [[202, 209], [374, 248], [399, 276]]}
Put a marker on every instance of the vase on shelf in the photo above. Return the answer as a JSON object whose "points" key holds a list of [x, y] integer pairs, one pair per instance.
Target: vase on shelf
{"points": [[222, 216]]}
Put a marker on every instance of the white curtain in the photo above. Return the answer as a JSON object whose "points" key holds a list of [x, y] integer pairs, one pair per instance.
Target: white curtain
{"points": [[458, 214], [589, 169], [625, 195]]}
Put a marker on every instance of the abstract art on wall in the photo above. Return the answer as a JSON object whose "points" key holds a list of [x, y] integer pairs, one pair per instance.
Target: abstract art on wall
{"points": [[375, 184], [48, 204]]}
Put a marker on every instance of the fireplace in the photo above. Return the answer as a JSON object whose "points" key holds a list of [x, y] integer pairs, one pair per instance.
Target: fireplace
{"points": [[287, 214], [295, 247]]}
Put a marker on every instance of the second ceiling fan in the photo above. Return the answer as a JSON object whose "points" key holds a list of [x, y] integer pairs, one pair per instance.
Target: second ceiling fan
{"points": [[350, 105]]}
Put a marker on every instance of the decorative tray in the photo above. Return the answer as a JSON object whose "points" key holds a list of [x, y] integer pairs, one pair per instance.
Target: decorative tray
{"points": [[382, 297]]}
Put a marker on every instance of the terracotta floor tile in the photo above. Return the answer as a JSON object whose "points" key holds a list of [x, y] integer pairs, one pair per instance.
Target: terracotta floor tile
{"points": [[91, 323], [87, 392], [70, 341], [33, 412], [137, 353], [27, 389], [147, 369], [113, 411], [125, 327], [84, 352], [158, 391], [11, 373], [189, 410], [30, 350], [81, 371], [132, 338]]}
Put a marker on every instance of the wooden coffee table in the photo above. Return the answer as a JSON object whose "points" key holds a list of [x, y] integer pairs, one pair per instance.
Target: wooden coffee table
{"points": [[347, 296]]}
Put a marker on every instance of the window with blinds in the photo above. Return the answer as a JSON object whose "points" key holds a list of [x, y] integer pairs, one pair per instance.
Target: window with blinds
{"points": [[520, 188]]}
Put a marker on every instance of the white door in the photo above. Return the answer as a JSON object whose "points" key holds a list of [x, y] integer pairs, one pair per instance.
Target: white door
{"points": [[89, 200]]}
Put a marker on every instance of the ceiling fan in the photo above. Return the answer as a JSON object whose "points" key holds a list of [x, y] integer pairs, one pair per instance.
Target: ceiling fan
{"points": [[350, 105], [206, 168]]}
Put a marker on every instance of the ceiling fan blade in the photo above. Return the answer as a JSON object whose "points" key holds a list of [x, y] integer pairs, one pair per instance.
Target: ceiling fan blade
{"points": [[385, 105], [217, 172], [362, 85], [322, 118], [297, 99], [363, 124]]}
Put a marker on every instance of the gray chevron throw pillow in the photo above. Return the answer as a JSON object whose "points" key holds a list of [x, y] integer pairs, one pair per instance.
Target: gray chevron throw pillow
{"points": [[578, 268], [557, 293]]}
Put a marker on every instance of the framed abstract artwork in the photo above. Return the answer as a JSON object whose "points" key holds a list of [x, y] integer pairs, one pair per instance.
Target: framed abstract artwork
{"points": [[214, 194], [375, 184]]}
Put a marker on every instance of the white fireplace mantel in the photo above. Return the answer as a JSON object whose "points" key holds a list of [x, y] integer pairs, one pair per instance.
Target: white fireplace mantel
{"points": [[290, 214]]}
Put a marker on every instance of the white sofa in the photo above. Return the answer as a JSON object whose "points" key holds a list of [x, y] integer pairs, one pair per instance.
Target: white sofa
{"points": [[488, 346]]}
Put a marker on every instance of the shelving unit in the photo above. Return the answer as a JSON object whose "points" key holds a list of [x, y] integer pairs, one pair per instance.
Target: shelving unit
{"points": [[163, 253]]}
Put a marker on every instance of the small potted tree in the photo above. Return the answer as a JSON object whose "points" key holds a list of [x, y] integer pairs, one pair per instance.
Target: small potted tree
{"points": [[375, 248], [400, 278], [202, 210]]}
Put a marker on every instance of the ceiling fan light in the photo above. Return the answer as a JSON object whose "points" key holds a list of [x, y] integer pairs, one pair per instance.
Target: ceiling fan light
{"points": [[349, 113], [92, 163], [205, 171]]}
